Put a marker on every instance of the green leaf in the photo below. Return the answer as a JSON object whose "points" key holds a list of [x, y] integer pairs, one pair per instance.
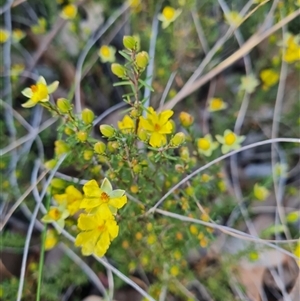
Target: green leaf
{"points": [[146, 85], [272, 230], [126, 83]]}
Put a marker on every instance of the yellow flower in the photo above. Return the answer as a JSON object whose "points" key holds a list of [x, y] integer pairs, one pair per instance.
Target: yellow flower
{"points": [[72, 198], [260, 192], [69, 12], [107, 54], [249, 83], [193, 230], [39, 28], [297, 252], [293, 216], [216, 104], [103, 199], [174, 271], [168, 15], [51, 239], [135, 5], [292, 52], [4, 35], [234, 18], [96, 233], [269, 78], [157, 125], [230, 141], [206, 146], [57, 215], [17, 35], [126, 125], [38, 92], [253, 256]]}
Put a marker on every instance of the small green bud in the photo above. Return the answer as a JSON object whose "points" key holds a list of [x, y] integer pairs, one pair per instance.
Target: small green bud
{"points": [[184, 153], [142, 134], [112, 146], [142, 59], [61, 147], [129, 42], [118, 70], [68, 131], [87, 116], [63, 105], [50, 164], [135, 113], [137, 168], [178, 139], [58, 183], [179, 168], [100, 148], [88, 154], [82, 136], [107, 130]]}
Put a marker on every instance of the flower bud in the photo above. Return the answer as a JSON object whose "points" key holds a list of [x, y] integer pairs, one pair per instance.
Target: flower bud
{"points": [[178, 139], [129, 42], [50, 164], [179, 168], [118, 70], [135, 113], [88, 154], [63, 105], [142, 59], [100, 148], [184, 153], [58, 183], [82, 136], [87, 116], [112, 146], [186, 119], [60, 147], [137, 168], [68, 131], [142, 134], [107, 130]]}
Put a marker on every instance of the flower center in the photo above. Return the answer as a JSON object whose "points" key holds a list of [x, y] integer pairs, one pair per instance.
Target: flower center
{"points": [[230, 138], [101, 228], [104, 197], [157, 127], [169, 13], [204, 144], [39, 92], [54, 214], [105, 51]]}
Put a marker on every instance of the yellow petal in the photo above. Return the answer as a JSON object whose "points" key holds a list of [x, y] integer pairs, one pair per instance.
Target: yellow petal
{"points": [[165, 116], [29, 104], [86, 222], [52, 87], [27, 92], [118, 202], [91, 189], [88, 203], [102, 245], [157, 140]]}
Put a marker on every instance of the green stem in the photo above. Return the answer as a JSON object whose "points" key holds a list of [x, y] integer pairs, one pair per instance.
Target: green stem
{"points": [[42, 254]]}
